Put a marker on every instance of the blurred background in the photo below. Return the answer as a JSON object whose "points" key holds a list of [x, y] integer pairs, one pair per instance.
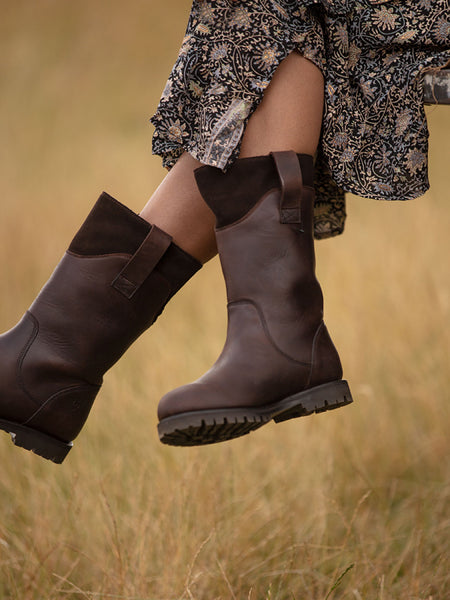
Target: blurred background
{"points": [[349, 504]]}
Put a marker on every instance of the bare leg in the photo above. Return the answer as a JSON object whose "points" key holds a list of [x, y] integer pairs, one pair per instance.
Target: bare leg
{"points": [[290, 114], [288, 118], [177, 208]]}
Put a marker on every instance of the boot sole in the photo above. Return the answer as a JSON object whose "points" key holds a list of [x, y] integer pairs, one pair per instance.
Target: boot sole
{"points": [[39, 443], [199, 428]]}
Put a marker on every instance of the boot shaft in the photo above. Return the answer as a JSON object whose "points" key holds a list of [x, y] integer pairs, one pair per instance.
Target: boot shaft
{"points": [[110, 286], [267, 254]]}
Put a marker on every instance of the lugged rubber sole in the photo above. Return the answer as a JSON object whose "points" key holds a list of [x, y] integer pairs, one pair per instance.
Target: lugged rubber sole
{"points": [[39, 443], [198, 428], [321, 398]]}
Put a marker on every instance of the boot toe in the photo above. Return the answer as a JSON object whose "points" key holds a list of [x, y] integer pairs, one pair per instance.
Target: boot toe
{"points": [[191, 397]]}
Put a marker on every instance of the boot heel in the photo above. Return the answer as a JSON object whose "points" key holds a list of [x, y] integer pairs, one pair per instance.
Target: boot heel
{"points": [[321, 398], [39, 443]]}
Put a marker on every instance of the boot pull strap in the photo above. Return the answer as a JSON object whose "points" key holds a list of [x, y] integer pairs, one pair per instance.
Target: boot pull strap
{"points": [[291, 179], [142, 263]]}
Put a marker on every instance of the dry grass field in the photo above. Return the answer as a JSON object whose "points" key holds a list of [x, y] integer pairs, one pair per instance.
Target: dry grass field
{"points": [[353, 504]]}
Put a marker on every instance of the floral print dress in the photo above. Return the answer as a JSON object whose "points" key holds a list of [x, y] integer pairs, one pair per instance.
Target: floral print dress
{"points": [[372, 53]]}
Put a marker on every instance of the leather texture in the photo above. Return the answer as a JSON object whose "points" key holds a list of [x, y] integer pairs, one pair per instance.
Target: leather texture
{"points": [[291, 179], [52, 363], [232, 200], [277, 344]]}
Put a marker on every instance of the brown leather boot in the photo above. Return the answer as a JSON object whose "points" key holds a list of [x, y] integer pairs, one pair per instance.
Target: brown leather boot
{"points": [[110, 286], [278, 361]]}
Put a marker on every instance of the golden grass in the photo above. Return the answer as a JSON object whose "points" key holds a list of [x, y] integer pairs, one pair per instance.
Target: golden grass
{"points": [[361, 493]]}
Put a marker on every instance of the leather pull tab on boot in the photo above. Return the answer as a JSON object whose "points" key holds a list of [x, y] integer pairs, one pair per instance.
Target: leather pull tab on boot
{"points": [[291, 179], [142, 263]]}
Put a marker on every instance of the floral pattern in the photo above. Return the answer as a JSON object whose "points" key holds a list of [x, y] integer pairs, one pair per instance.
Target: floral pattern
{"points": [[372, 53]]}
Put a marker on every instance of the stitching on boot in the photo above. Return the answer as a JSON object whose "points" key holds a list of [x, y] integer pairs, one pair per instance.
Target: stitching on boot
{"points": [[251, 211], [107, 255], [60, 393], [313, 351], [125, 286], [23, 354]]}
